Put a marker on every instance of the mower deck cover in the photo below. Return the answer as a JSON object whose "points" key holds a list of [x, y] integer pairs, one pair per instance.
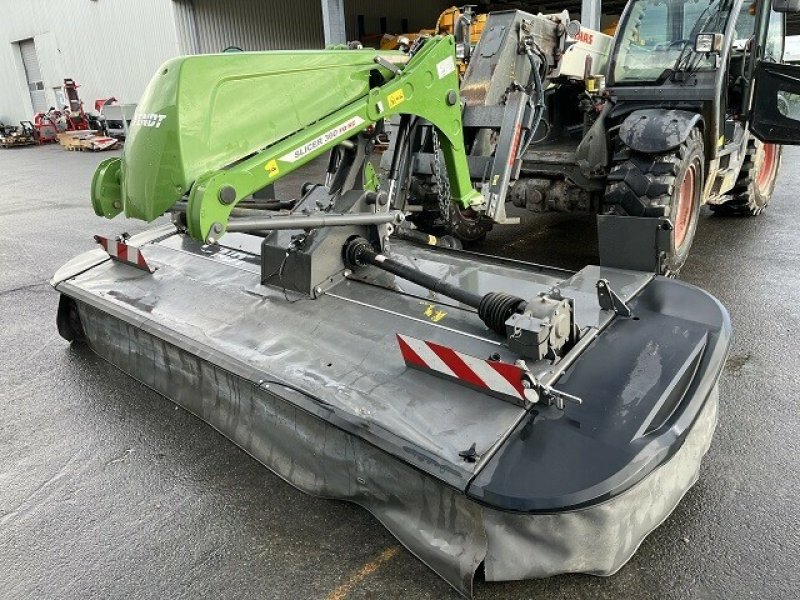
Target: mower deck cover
{"points": [[318, 391]]}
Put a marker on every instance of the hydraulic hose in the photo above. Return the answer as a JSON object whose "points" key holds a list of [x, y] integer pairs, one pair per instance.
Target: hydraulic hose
{"points": [[399, 148], [538, 89], [493, 308]]}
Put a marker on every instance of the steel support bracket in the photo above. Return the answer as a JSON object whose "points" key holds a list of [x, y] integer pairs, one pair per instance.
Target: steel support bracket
{"points": [[634, 243], [610, 300]]}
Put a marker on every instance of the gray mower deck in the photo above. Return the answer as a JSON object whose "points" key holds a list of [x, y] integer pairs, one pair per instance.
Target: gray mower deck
{"points": [[317, 390]]}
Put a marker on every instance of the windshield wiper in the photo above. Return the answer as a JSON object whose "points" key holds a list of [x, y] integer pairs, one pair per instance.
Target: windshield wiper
{"points": [[683, 60], [687, 62]]}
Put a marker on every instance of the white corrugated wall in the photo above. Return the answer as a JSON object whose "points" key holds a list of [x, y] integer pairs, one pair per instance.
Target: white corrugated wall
{"points": [[249, 24], [109, 47], [213, 25]]}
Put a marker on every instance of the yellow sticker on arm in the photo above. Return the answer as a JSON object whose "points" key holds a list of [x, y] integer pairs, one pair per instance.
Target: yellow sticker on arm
{"points": [[396, 97], [272, 167]]}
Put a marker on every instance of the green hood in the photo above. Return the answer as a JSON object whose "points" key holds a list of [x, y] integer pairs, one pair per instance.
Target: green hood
{"points": [[201, 113]]}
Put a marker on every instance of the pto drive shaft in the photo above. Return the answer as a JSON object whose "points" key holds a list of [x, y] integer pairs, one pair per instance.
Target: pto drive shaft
{"points": [[494, 308]]}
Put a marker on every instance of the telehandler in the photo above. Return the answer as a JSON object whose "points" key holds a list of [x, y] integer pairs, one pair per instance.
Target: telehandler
{"points": [[679, 117], [489, 412]]}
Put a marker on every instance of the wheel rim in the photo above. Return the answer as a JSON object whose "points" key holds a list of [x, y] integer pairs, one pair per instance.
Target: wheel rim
{"points": [[768, 168], [683, 215]]}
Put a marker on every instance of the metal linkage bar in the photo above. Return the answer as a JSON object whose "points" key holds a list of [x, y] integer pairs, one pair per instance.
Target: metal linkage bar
{"points": [[313, 221]]}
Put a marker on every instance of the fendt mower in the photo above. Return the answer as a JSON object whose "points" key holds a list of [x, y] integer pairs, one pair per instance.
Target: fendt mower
{"points": [[654, 122], [488, 412]]}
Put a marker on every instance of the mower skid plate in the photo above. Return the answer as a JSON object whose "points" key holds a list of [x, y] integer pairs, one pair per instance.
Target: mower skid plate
{"points": [[318, 391]]}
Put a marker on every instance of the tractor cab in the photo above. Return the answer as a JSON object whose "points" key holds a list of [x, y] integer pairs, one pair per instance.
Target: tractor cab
{"points": [[697, 55], [674, 127], [696, 125], [687, 105]]}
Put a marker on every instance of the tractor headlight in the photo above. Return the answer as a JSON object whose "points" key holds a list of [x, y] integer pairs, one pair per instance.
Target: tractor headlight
{"points": [[706, 43]]}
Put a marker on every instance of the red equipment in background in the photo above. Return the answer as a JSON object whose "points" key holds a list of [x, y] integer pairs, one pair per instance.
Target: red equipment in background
{"points": [[100, 103], [49, 124], [46, 126], [76, 118]]}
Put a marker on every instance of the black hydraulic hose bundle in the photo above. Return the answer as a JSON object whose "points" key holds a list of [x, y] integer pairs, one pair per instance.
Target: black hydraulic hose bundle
{"points": [[537, 63], [402, 135], [493, 308]]}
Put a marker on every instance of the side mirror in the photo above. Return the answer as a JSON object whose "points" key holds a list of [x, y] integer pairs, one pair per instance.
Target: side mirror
{"points": [[707, 43], [786, 6]]}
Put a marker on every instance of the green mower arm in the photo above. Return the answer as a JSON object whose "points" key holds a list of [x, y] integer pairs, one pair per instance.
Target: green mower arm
{"points": [[169, 152]]}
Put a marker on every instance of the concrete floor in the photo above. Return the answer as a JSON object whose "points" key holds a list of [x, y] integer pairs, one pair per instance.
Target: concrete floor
{"points": [[107, 490]]}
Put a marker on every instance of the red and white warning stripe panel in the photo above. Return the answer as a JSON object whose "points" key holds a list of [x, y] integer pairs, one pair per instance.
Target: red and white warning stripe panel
{"points": [[494, 377], [123, 252]]}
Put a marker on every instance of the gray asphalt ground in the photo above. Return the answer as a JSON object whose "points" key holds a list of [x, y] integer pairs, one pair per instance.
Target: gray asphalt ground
{"points": [[107, 490]]}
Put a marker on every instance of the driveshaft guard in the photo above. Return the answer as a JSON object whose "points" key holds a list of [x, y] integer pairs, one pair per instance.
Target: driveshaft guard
{"points": [[202, 113]]}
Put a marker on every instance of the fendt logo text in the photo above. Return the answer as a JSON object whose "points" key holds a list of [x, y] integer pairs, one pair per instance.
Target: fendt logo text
{"points": [[148, 120]]}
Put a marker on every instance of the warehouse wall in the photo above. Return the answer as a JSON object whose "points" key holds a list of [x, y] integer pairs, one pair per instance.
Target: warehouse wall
{"points": [[212, 25], [109, 47]]}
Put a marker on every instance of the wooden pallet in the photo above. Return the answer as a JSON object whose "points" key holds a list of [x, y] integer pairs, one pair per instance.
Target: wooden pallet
{"points": [[88, 143], [91, 148]]}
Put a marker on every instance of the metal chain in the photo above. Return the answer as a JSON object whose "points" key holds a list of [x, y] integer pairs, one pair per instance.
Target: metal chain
{"points": [[442, 181]]}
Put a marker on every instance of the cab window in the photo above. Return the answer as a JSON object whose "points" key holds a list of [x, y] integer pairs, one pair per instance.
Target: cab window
{"points": [[773, 49]]}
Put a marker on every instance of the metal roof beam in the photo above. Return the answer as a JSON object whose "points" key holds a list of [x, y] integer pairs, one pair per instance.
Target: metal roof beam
{"points": [[590, 14], [333, 23]]}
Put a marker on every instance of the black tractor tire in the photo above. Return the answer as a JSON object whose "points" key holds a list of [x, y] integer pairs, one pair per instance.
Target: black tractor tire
{"points": [[661, 185], [756, 181]]}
